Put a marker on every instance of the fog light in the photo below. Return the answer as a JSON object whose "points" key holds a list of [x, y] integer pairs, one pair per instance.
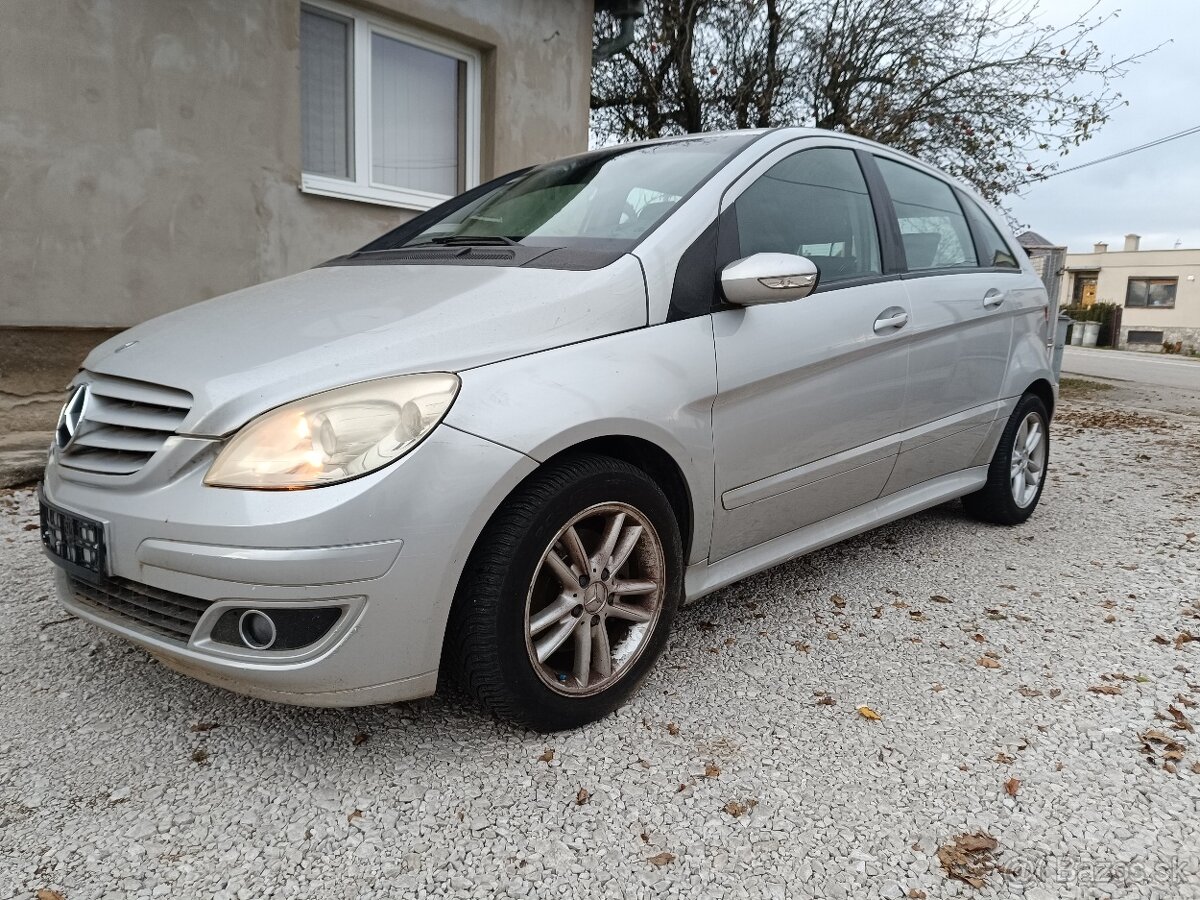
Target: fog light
{"points": [[256, 629]]}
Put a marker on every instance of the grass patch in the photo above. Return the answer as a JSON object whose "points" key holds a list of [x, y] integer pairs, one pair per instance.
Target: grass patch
{"points": [[1081, 387]]}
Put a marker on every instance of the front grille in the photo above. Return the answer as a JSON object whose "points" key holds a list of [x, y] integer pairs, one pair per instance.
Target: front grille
{"points": [[123, 424], [170, 615]]}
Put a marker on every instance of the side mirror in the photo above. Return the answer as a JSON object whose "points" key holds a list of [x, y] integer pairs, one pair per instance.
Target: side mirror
{"points": [[769, 278]]}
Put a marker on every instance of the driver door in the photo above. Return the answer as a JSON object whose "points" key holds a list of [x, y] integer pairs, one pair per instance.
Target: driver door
{"points": [[810, 392]]}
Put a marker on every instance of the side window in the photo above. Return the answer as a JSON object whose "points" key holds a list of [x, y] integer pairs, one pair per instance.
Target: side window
{"points": [[993, 247], [815, 204], [932, 225]]}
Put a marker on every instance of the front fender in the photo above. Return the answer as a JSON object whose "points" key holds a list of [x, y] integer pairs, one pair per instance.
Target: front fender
{"points": [[656, 384]]}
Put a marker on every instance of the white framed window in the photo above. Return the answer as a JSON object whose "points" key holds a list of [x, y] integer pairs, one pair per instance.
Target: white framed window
{"points": [[389, 114]]}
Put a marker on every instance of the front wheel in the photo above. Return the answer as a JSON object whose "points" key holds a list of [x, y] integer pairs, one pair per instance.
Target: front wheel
{"points": [[569, 595], [1017, 473]]}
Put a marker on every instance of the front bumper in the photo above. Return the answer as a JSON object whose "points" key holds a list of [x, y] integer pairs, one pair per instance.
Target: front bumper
{"points": [[387, 549]]}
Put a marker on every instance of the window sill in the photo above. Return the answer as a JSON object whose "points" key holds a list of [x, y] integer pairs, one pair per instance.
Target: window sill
{"points": [[323, 186]]}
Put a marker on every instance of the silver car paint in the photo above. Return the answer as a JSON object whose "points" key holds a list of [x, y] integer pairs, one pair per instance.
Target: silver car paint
{"points": [[548, 359], [436, 500], [246, 352]]}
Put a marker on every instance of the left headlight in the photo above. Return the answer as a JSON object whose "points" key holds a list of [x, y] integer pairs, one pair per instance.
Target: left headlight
{"points": [[336, 435]]}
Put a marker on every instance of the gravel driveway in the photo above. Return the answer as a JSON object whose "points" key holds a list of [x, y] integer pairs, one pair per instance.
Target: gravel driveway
{"points": [[1033, 687]]}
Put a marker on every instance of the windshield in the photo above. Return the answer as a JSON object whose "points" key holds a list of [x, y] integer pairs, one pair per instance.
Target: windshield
{"points": [[607, 199]]}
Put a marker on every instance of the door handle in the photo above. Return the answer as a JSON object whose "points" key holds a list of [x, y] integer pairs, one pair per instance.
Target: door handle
{"points": [[993, 298], [891, 319]]}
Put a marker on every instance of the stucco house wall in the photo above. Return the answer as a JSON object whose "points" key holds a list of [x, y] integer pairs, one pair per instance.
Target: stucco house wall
{"points": [[150, 152], [1115, 268]]}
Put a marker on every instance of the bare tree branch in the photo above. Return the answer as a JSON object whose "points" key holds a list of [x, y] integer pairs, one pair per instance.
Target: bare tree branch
{"points": [[982, 88]]}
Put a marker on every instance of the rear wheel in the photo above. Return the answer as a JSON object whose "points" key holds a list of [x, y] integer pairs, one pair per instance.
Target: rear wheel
{"points": [[569, 595], [1017, 473]]}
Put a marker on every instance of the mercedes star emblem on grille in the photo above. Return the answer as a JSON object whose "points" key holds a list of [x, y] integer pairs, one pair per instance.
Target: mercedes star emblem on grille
{"points": [[71, 417]]}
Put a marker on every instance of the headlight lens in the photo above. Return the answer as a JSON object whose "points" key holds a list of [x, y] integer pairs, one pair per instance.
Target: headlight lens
{"points": [[334, 436]]}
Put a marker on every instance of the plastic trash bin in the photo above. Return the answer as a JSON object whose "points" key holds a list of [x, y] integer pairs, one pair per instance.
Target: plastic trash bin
{"points": [[1091, 333], [1060, 340], [1077, 334]]}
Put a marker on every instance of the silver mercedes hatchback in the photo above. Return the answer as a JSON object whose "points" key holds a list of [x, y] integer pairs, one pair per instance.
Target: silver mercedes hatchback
{"points": [[504, 442]]}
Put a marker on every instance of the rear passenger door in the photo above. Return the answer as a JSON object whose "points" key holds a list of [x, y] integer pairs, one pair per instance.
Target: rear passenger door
{"points": [[960, 331]]}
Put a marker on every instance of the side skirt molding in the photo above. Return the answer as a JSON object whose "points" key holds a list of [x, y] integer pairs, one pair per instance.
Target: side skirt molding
{"points": [[704, 578]]}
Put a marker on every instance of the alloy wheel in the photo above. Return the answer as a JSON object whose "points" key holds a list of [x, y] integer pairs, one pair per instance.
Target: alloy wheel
{"points": [[595, 599], [1028, 462]]}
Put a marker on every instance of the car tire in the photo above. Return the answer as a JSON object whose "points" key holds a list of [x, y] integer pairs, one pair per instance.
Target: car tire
{"points": [[1017, 474], [542, 644]]}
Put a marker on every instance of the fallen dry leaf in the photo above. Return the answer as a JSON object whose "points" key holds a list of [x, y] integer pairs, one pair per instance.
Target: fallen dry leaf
{"points": [[826, 701], [48, 894], [1184, 637], [937, 687], [711, 770], [1109, 619], [672, 729], [356, 814], [916, 894], [661, 859], [738, 808], [200, 756], [969, 857], [1026, 691], [547, 755], [361, 738], [987, 662], [1159, 639], [1181, 721], [1003, 757], [801, 646], [838, 600], [867, 713], [1055, 692], [706, 626], [204, 726], [832, 635], [1104, 689], [582, 797], [1012, 786], [938, 598], [1155, 736]]}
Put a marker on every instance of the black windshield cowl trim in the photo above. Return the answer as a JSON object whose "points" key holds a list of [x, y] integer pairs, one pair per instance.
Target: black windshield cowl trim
{"points": [[507, 256]]}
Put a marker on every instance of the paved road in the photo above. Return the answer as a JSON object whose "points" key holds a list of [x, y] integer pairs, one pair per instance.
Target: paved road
{"points": [[1144, 368]]}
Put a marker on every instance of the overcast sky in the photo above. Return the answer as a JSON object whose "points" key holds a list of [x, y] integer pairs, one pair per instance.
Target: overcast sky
{"points": [[1156, 192]]}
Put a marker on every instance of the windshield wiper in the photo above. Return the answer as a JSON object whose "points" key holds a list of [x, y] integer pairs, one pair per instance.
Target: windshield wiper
{"points": [[483, 240]]}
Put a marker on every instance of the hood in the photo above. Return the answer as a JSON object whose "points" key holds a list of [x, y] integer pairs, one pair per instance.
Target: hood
{"points": [[246, 352]]}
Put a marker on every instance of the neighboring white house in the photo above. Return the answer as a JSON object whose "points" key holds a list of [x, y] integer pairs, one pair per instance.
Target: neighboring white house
{"points": [[1159, 291]]}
